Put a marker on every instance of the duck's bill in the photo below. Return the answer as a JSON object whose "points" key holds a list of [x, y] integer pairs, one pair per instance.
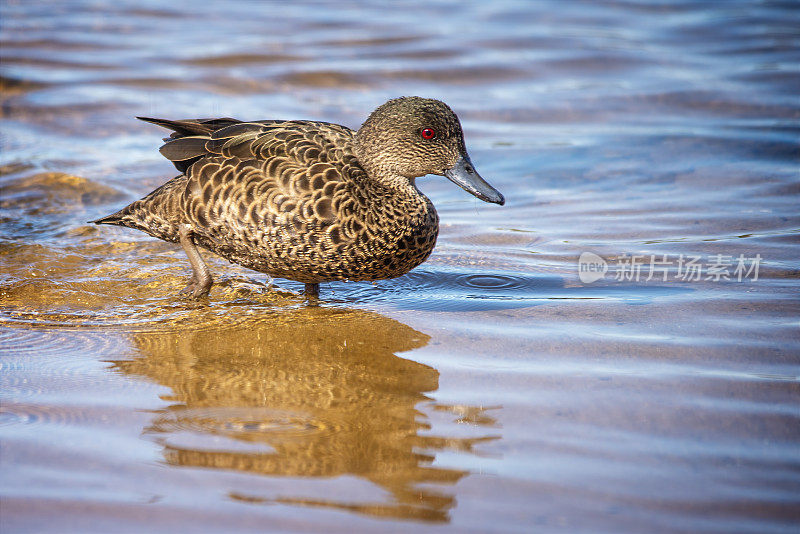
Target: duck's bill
{"points": [[464, 175]]}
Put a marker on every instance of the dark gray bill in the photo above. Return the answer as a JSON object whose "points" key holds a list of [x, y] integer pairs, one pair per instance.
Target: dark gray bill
{"points": [[464, 175]]}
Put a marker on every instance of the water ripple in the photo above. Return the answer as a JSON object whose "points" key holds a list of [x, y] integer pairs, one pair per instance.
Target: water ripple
{"points": [[454, 290], [241, 430], [491, 282], [245, 422]]}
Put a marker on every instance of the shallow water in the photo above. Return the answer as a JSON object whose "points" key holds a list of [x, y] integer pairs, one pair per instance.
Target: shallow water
{"points": [[492, 388]]}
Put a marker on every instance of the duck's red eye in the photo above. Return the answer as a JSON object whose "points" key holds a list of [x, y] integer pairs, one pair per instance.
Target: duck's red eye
{"points": [[427, 133]]}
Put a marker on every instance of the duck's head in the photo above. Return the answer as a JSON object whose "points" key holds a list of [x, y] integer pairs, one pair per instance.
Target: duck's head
{"points": [[412, 137]]}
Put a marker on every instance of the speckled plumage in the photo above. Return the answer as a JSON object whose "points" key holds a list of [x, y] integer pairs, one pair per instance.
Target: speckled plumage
{"points": [[303, 200]]}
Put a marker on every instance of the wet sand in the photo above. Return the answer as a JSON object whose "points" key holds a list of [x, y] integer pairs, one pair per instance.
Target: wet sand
{"points": [[492, 389]]}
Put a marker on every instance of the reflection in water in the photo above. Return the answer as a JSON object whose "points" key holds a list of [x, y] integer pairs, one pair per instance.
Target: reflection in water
{"points": [[315, 392]]}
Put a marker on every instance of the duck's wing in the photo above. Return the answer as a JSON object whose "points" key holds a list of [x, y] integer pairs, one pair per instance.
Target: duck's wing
{"points": [[281, 193], [304, 141]]}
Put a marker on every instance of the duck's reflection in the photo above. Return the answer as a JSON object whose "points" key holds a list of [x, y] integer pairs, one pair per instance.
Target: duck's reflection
{"points": [[316, 392]]}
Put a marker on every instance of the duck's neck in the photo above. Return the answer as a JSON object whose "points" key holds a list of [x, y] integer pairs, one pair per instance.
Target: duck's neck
{"points": [[385, 178], [392, 188]]}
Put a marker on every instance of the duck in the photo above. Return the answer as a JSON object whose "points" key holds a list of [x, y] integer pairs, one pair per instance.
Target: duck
{"points": [[306, 200]]}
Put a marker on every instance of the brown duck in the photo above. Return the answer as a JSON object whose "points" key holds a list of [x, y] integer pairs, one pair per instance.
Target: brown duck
{"points": [[308, 201]]}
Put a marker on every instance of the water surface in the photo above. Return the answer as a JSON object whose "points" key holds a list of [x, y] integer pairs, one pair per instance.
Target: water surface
{"points": [[492, 388]]}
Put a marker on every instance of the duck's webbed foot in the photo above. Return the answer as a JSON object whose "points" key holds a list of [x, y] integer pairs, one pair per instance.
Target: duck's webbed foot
{"points": [[196, 289], [312, 291], [200, 282]]}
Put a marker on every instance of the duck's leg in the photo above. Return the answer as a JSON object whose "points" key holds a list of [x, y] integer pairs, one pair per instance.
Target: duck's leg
{"points": [[312, 291], [200, 282]]}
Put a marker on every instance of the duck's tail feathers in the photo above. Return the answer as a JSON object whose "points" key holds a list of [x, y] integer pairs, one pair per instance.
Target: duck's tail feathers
{"points": [[115, 218], [187, 127]]}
